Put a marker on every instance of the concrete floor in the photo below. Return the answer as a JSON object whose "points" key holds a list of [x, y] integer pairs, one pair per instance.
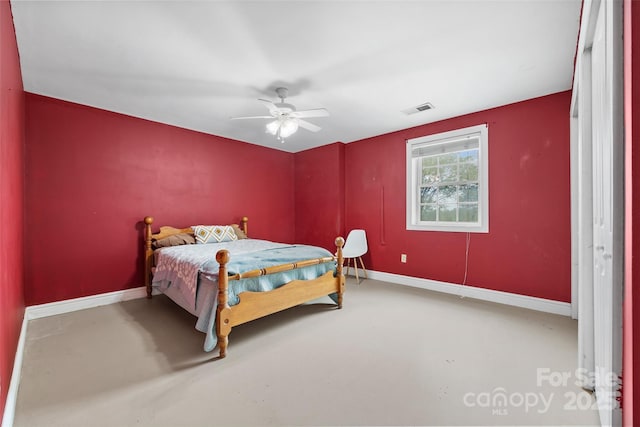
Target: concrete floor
{"points": [[393, 355]]}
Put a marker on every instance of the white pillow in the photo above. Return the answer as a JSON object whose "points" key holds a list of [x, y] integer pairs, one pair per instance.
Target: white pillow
{"points": [[214, 233]]}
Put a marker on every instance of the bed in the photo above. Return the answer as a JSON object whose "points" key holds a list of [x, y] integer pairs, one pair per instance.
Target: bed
{"points": [[231, 282]]}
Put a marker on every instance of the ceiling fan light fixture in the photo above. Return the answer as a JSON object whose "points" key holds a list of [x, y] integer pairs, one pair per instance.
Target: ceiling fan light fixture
{"points": [[288, 127], [272, 127], [282, 128]]}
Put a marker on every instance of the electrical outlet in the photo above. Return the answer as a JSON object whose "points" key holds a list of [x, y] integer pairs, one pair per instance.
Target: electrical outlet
{"points": [[403, 258]]}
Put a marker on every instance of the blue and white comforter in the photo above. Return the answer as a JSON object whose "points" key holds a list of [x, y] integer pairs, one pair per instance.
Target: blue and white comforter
{"points": [[182, 266]]}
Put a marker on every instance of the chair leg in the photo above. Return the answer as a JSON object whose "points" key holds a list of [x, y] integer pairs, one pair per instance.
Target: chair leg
{"points": [[365, 270], [355, 263], [348, 265]]}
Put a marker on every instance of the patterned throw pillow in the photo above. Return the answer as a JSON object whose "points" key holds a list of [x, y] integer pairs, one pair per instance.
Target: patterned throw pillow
{"points": [[214, 233]]}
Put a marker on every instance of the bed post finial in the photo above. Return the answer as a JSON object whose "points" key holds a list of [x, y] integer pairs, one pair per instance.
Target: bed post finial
{"points": [[340, 260], [223, 320], [148, 254], [245, 226]]}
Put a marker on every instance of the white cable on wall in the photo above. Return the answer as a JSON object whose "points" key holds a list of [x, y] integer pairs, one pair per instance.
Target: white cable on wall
{"points": [[466, 259]]}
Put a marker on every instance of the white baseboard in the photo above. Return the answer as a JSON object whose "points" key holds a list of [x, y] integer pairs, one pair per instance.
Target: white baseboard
{"points": [[532, 303], [67, 306], [12, 393], [517, 300]]}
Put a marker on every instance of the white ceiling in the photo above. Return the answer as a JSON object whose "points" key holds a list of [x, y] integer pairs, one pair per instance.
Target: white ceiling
{"points": [[195, 64]]}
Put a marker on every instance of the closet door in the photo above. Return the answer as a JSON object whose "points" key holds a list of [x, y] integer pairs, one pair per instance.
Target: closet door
{"points": [[608, 214]]}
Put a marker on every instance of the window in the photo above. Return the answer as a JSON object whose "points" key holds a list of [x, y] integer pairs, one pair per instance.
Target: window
{"points": [[448, 180]]}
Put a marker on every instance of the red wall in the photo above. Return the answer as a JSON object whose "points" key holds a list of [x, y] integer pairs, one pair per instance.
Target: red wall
{"points": [[12, 137], [631, 357], [527, 250], [319, 195], [92, 175], [101, 172]]}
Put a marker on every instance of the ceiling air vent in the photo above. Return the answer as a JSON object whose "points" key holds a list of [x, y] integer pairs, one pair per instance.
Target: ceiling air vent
{"points": [[423, 107]]}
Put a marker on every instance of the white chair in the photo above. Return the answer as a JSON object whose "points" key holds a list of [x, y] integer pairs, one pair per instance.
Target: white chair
{"points": [[354, 248]]}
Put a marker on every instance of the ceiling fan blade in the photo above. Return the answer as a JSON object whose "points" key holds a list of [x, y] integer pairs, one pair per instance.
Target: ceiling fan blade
{"points": [[308, 126], [273, 109], [251, 117], [318, 112]]}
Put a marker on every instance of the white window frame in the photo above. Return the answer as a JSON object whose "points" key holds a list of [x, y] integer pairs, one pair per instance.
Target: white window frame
{"points": [[413, 193]]}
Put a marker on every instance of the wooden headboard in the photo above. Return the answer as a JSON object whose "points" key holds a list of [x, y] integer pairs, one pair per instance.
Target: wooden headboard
{"points": [[166, 231]]}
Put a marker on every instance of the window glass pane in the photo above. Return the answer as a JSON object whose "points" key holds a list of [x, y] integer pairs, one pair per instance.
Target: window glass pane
{"points": [[447, 213], [448, 173], [467, 156], [428, 194], [448, 194], [429, 175], [469, 193], [468, 172], [468, 213], [448, 159], [427, 213], [429, 161]]}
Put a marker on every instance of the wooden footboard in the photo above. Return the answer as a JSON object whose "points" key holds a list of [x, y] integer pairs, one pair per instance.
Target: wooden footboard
{"points": [[254, 305]]}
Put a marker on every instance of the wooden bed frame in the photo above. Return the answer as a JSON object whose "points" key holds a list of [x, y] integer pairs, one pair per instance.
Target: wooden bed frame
{"points": [[254, 305]]}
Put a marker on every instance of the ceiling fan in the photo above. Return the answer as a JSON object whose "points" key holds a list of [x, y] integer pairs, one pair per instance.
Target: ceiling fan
{"points": [[285, 118]]}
